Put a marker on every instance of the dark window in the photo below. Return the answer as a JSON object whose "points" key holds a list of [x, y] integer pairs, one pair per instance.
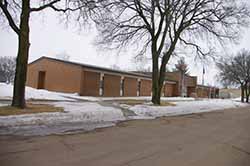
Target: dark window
{"points": [[139, 88]]}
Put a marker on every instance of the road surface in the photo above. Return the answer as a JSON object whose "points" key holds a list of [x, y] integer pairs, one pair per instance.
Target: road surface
{"points": [[218, 138]]}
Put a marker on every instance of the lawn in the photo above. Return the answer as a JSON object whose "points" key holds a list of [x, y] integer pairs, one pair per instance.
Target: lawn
{"points": [[137, 102], [30, 109]]}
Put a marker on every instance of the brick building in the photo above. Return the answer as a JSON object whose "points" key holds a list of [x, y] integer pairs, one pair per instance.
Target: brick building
{"points": [[87, 80]]}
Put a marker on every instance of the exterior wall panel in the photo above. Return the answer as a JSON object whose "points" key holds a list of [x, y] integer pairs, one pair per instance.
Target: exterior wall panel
{"points": [[203, 92], [59, 76], [90, 84], [130, 86], [71, 77], [169, 90], [191, 91], [111, 85], [146, 86]]}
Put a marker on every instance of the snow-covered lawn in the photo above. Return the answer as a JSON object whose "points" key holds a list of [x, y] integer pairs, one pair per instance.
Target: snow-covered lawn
{"points": [[6, 92], [96, 112], [184, 107], [91, 115], [148, 98], [74, 112], [77, 116]]}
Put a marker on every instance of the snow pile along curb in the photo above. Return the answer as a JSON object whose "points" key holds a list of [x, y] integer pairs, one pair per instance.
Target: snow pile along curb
{"points": [[183, 108]]}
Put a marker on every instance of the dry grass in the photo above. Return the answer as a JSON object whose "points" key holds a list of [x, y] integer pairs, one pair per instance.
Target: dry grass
{"points": [[136, 102], [165, 103], [30, 109], [132, 102]]}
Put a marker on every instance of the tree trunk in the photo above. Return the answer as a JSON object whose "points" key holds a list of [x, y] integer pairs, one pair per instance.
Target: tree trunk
{"points": [[156, 97], [159, 77], [182, 84], [242, 93], [22, 57], [247, 93]]}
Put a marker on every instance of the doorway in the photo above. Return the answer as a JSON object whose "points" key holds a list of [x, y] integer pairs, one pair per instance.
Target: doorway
{"points": [[41, 80]]}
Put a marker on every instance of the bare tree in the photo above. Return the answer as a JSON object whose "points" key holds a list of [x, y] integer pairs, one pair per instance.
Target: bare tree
{"points": [[140, 64], [236, 71], [159, 26], [17, 13], [7, 69], [182, 67]]}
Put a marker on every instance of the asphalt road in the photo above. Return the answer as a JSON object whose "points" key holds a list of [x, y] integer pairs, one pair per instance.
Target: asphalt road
{"points": [[209, 139]]}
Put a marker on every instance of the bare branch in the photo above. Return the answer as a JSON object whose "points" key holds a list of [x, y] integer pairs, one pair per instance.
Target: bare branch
{"points": [[4, 7], [48, 5]]}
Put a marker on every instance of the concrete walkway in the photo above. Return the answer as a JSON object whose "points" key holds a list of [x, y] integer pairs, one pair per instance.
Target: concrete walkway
{"points": [[208, 139]]}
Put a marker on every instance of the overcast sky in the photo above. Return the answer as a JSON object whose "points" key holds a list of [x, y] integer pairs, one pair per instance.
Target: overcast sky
{"points": [[48, 38]]}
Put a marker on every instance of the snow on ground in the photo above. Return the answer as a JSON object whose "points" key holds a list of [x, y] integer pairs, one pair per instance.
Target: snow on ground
{"points": [[77, 97], [74, 112], [148, 98], [184, 107], [96, 112], [77, 116], [6, 92], [2, 104]]}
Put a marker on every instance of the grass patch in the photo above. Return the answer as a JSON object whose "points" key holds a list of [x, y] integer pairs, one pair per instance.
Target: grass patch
{"points": [[132, 102], [30, 109], [165, 103], [137, 102]]}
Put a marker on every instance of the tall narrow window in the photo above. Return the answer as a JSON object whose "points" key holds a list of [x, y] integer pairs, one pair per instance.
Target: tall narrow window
{"points": [[122, 87], [101, 92], [139, 88]]}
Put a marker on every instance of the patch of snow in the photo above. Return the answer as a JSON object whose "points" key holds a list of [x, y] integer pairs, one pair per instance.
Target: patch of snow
{"points": [[47, 129], [183, 108], [239, 99], [76, 96], [77, 116], [148, 98], [2, 104], [87, 112], [6, 92]]}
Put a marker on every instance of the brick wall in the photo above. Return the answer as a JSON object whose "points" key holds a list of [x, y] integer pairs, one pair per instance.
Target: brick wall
{"points": [[90, 84], [190, 81], [202, 92], [146, 86], [191, 91], [176, 90], [169, 90], [130, 86], [68, 77], [59, 76], [111, 85]]}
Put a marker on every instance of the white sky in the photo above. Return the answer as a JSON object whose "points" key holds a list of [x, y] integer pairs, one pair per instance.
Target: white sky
{"points": [[48, 37]]}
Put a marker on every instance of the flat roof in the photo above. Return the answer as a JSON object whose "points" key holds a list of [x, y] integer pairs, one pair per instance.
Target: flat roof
{"points": [[97, 68]]}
